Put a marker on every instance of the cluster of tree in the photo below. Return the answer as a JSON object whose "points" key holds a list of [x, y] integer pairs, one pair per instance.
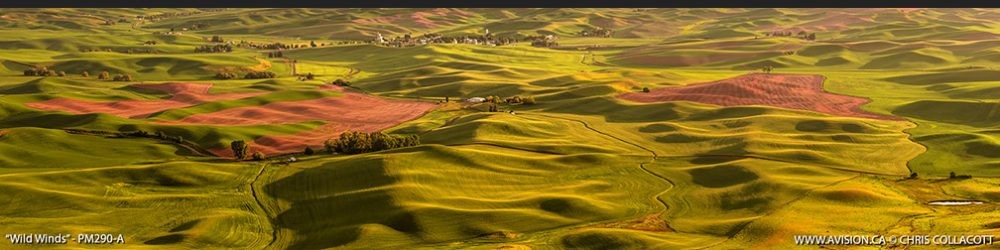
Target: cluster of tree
{"points": [[241, 149], [219, 48], [352, 42], [544, 43], [307, 77], [493, 99], [518, 99], [226, 75], [97, 50], [767, 69], [42, 71], [109, 22], [126, 50], [163, 136], [105, 75], [276, 54], [952, 175], [272, 46], [159, 135], [136, 51], [530, 100], [259, 75], [494, 108], [802, 34], [354, 142], [217, 39], [249, 75], [150, 43], [122, 78], [599, 32], [408, 40], [341, 82], [809, 36], [259, 156]]}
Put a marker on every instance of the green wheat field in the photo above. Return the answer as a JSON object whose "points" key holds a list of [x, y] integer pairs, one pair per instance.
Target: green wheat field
{"points": [[574, 164]]}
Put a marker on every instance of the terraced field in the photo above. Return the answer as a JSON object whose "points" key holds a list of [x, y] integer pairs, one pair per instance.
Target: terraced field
{"points": [[854, 132]]}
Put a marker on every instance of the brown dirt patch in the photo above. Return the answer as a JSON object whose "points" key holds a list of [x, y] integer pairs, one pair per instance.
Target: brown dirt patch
{"points": [[352, 111], [803, 92], [419, 18], [184, 95]]}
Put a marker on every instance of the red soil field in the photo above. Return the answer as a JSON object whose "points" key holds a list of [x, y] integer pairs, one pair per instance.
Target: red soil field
{"points": [[419, 18], [184, 95], [803, 92], [352, 111]]}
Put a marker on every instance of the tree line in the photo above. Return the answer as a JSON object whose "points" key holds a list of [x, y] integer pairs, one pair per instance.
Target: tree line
{"points": [[104, 75], [354, 142], [43, 71], [802, 35], [218, 48], [351, 142], [248, 75]]}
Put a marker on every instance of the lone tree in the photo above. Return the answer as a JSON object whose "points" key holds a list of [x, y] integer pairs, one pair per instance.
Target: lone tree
{"points": [[645, 89], [104, 75], [240, 149], [85, 74], [309, 151], [312, 43]]}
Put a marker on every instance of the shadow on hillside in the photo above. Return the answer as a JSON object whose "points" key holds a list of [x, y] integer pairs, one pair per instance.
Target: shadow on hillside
{"points": [[330, 203]]}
